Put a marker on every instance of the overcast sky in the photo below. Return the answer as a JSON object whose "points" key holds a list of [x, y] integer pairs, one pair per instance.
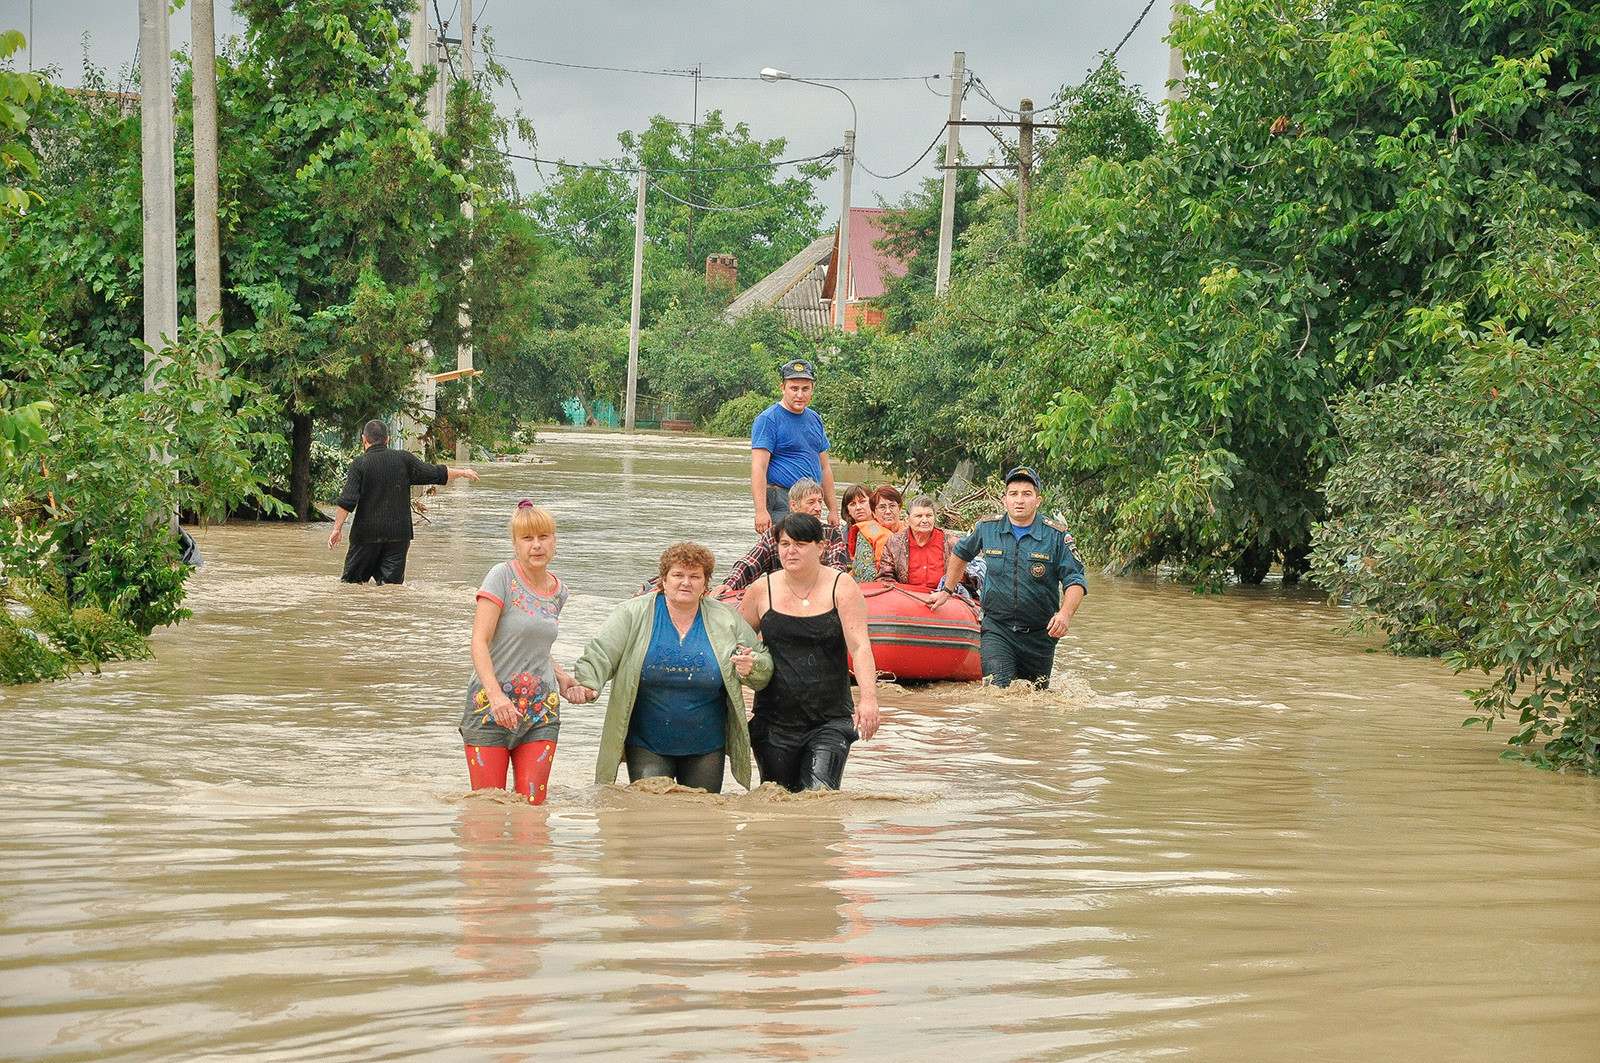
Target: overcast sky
{"points": [[1020, 49]]}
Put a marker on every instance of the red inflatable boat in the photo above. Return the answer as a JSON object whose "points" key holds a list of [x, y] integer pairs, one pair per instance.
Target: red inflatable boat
{"points": [[911, 641]]}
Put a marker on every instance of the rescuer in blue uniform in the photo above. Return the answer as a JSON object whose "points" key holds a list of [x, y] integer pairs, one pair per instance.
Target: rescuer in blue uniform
{"points": [[1031, 588]]}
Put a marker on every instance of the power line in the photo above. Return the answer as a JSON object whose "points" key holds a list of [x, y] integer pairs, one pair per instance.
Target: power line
{"points": [[830, 154], [708, 206], [689, 73], [584, 222], [890, 177], [1131, 28]]}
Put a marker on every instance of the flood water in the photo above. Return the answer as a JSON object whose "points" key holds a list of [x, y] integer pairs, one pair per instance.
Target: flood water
{"points": [[1230, 834]]}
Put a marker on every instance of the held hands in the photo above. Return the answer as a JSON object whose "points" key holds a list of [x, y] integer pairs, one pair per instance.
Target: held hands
{"points": [[744, 659], [578, 694], [938, 598]]}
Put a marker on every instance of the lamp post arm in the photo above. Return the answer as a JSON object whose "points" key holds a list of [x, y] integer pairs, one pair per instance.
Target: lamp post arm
{"points": [[855, 119]]}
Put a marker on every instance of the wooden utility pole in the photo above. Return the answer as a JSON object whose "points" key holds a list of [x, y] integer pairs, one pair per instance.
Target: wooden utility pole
{"points": [[207, 244], [952, 157], [464, 310], [1024, 162], [638, 291], [159, 184]]}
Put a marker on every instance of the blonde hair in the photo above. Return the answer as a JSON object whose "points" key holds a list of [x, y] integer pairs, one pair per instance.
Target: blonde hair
{"points": [[528, 519]]}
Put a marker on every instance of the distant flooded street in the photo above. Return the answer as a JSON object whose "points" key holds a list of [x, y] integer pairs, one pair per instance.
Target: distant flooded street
{"points": [[1230, 835]]}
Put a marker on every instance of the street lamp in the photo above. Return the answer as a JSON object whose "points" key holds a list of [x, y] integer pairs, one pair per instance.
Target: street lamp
{"points": [[841, 288]]}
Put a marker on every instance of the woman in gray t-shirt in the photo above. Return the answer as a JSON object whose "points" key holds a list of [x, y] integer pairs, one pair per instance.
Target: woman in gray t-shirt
{"points": [[512, 716]]}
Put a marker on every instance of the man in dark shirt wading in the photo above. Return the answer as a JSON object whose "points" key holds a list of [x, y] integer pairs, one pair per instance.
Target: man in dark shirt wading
{"points": [[377, 490]]}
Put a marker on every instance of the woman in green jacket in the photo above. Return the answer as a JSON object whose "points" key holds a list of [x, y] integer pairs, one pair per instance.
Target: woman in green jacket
{"points": [[675, 660]]}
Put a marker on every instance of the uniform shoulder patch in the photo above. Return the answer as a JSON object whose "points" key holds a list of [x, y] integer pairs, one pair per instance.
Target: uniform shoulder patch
{"points": [[1052, 524]]}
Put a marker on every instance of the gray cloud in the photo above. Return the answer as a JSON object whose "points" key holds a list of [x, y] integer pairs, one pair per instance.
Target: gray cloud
{"points": [[1027, 48]]}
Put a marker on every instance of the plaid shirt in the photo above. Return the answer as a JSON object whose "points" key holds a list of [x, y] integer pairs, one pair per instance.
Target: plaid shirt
{"points": [[763, 557]]}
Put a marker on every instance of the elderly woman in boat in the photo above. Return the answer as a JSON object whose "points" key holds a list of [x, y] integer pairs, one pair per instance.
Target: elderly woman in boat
{"points": [[917, 554], [676, 661]]}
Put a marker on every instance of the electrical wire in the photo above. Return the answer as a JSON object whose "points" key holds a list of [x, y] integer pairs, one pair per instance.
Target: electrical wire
{"points": [[561, 163], [711, 207], [586, 221], [890, 177], [688, 73], [1131, 28]]}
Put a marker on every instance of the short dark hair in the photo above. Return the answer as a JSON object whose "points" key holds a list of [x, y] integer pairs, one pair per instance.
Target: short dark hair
{"points": [[890, 492], [375, 432], [799, 527]]}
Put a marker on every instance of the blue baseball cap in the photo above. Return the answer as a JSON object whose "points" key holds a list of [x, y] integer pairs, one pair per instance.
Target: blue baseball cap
{"points": [[799, 369], [1022, 472]]}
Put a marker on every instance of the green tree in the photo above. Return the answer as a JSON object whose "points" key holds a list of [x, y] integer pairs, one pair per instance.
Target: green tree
{"points": [[713, 189], [335, 197], [912, 236], [1466, 509], [1334, 167], [698, 360]]}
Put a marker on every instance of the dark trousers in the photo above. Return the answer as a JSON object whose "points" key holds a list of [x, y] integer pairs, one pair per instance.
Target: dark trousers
{"points": [[701, 770], [777, 502], [802, 758], [1011, 655], [381, 561]]}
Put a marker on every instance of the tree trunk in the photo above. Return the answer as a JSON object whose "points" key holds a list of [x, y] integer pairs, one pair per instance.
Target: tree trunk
{"points": [[300, 464]]}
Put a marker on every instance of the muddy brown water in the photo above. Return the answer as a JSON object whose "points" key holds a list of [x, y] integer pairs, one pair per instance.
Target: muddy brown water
{"points": [[1230, 834]]}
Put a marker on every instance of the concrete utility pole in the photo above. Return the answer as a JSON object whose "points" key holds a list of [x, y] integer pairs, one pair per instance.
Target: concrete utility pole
{"points": [[207, 243], [425, 54], [1024, 162], [841, 288], [159, 181], [952, 157], [464, 311], [638, 291], [1176, 70]]}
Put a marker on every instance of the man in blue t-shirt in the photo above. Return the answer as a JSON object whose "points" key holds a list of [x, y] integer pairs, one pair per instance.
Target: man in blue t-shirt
{"points": [[788, 444]]}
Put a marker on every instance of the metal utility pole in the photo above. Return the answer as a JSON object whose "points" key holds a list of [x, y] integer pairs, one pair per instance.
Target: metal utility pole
{"points": [[841, 288], [464, 310], [952, 157], [638, 291], [207, 243], [1024, 163], [159, 181], [1176, 71]]}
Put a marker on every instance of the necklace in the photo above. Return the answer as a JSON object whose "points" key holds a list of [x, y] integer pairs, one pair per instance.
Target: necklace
{"points": [[805, 599]]}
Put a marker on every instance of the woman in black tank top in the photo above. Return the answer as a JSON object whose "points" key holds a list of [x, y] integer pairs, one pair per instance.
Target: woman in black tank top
{"points": [[804, 720]]}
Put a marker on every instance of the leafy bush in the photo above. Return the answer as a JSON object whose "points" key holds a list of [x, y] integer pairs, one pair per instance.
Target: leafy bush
{"points": [[697, 360], [738, 416], [1467, 509], [89, 559]]}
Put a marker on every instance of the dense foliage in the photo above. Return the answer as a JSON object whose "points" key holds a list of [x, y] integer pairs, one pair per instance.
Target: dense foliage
{"points": [[1467, 510], [89, 553]]}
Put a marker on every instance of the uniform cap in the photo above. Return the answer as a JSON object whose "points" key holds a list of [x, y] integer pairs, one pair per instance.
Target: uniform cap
{"points": [[1022, 472], [798, 369]]}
